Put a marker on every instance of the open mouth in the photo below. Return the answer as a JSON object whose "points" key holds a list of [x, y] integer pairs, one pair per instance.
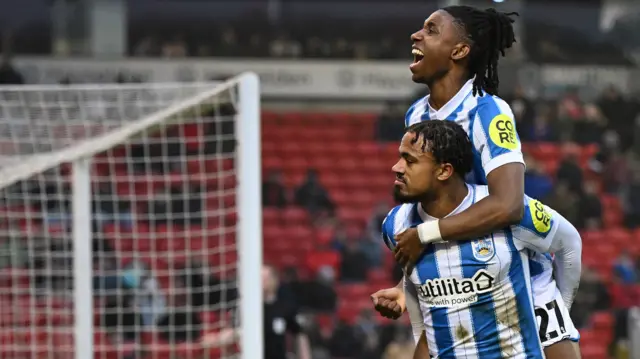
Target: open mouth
{"points": [[417, 55]]}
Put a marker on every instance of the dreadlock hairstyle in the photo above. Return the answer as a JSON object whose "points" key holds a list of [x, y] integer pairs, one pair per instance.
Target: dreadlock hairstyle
{"points": [[447, 141], [489, 33]]}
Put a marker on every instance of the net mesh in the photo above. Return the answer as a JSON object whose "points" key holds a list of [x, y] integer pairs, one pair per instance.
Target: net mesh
{"points": [[163, 220]]}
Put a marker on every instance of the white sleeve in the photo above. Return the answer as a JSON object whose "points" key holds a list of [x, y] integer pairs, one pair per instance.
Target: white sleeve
{"points": [[413, 308], [567, 247]]}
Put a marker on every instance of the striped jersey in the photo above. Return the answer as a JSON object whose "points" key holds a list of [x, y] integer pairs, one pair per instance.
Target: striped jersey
{"points": [[475, 296], [489, 122]]}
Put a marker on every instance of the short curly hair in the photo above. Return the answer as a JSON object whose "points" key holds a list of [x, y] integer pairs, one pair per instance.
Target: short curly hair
{"points": [[447, 141]]}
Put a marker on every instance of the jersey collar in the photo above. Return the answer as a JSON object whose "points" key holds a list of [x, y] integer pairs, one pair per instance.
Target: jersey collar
{"points": [[450, 107], [466, 202]]}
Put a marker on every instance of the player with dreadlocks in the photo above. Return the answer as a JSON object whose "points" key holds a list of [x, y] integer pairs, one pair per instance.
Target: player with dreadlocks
{"points": [[456, 55]]}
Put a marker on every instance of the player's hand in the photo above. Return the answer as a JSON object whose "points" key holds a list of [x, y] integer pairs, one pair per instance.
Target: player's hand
{"points": [[390, 303], [408, 247]]}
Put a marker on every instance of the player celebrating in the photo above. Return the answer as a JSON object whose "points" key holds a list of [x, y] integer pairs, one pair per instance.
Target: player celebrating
{"points": [[471, 298], [456, 55]]}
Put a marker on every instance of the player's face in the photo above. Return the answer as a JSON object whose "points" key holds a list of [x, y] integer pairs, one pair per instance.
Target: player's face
{"points": [[416, 171], [433, 46]]}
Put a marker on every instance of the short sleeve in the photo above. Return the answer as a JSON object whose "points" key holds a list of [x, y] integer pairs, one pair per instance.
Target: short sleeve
{"points": [[495, 136], [388, 228], [536, 229]]}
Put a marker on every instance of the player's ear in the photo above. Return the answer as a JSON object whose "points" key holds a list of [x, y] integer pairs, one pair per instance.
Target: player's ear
{"points": [[460, 51], [445, 172]]}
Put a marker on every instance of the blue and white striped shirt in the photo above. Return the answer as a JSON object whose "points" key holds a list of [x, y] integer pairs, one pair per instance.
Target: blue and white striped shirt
{"points": [[475, 296], [488, 121]]}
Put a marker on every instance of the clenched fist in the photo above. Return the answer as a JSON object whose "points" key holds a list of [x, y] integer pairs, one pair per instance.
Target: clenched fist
{"points": [[390, 303]]}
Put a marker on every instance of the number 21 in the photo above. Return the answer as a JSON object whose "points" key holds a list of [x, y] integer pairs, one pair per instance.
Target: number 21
{"points": [[544, 321]]}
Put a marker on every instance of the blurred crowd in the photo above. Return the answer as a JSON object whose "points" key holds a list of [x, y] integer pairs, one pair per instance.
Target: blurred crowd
{"points": [[362, 40]]}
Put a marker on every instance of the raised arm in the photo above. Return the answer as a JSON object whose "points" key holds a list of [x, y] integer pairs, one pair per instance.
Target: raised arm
{"points": [[497, 147], [502, 208]]}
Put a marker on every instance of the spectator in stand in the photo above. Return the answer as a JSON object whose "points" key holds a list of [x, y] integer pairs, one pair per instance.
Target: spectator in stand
{"points": [[624, 269], [320, 295], [591, 295], [611, 163], [229, 45], [13, 251], [569, 170], [536, 183], [367, 329], [619, 111], [619, 347], [569, 111], [175, 48], [109, 207], [319, 338], [590, 207], [523, 111], [340, 238], [388, 126], [344, 342], [541, 127], [181, 322], [284, 46], [354, 264], [121, 319], [149, 298], [274, 193], [147, 47], [205, 289], [631, 202], [565, 201], [402, 345], [377, 217], [589, 129], [312, 196], [373, 249]]}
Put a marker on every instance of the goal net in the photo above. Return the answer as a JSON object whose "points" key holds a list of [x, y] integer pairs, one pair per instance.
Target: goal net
{"points": [[130, 222]]}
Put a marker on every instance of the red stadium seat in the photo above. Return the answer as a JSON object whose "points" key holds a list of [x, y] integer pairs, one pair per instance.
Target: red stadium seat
{"points": [[325, 258], [353, 291], [295, 215], [618, 236], [602, 321]]}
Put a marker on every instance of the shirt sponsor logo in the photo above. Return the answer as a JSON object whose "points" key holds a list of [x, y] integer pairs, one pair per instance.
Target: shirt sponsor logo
{"points": [[502, 131], [455, 292]]}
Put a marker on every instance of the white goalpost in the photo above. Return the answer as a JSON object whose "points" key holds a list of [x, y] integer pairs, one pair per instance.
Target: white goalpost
{"points": [[130, 221]]}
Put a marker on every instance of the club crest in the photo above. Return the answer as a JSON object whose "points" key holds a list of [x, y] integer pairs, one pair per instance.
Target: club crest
{"points": [[483, 249]]}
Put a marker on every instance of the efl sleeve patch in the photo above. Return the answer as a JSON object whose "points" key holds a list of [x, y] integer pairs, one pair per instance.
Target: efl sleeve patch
{"points": [[540, 217]]}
